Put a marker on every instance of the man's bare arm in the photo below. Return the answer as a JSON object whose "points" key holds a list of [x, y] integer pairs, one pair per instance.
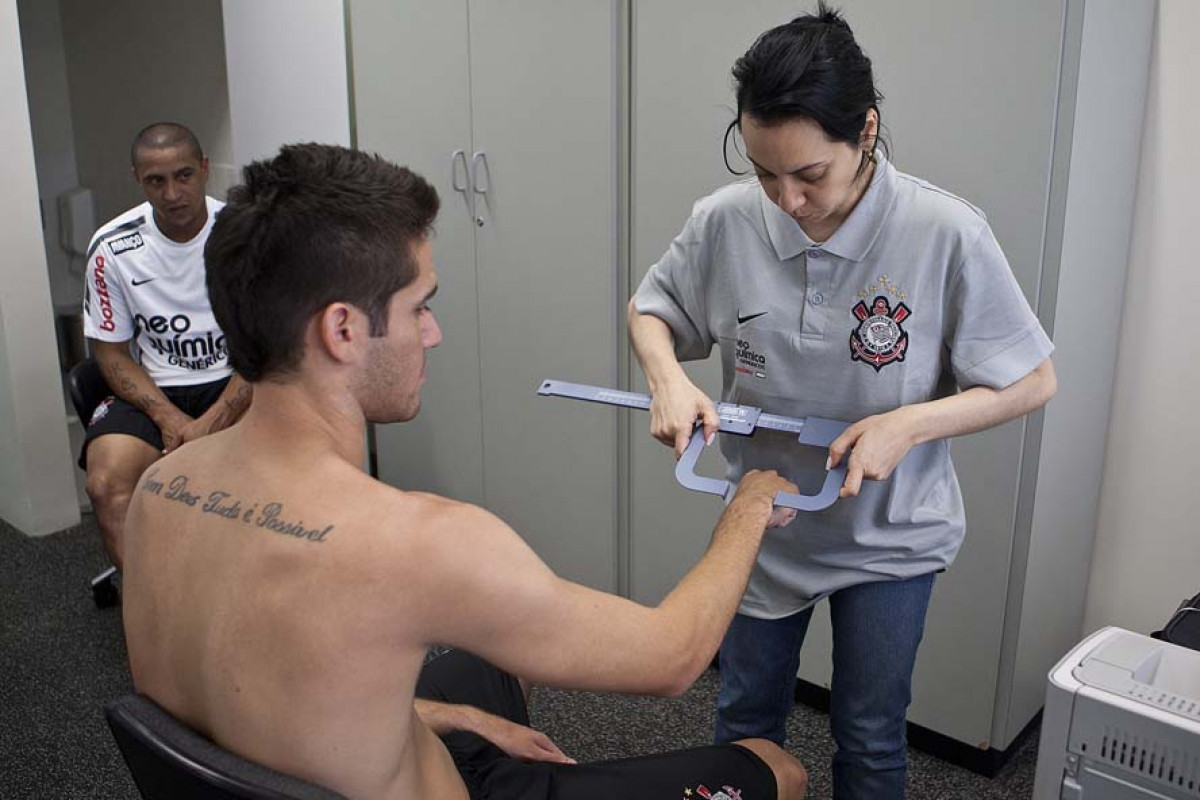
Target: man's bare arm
{"points": [[484, 590], [132, 384]]}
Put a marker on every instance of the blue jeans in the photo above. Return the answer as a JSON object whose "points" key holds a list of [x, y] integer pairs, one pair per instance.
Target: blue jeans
{"points": [[876, 630]]}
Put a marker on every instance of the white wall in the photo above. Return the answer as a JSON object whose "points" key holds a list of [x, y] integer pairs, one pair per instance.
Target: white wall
{"points": [[1147, 552], [53, 138], [1101, 130], [131, 63], [287, 74], [37, 493]]}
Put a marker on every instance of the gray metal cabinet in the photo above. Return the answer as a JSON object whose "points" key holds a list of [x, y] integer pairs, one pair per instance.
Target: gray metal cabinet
{"points": [[511, 110], [1031, 110]]}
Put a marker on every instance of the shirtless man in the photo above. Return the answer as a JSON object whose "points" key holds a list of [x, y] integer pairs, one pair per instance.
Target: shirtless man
{"points": [[281, 602]]}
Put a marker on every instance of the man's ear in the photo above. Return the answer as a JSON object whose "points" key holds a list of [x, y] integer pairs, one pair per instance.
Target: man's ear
{"points": [[341, 331]]}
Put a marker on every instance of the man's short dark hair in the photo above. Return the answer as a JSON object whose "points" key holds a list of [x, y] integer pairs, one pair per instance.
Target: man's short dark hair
{"points": [[162, 135], [317, 224]]}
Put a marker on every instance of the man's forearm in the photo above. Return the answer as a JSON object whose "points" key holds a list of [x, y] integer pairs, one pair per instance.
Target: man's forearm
{"points": [[130, 382], [702, 605], [443, 718], [230, 406]]}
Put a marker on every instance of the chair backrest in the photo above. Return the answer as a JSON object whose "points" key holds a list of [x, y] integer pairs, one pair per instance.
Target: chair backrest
{"points": [[170, 761], [88, 388]]}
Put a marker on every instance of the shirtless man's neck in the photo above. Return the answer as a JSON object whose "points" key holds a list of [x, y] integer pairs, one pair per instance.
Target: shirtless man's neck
{"points": [[290, 419]]}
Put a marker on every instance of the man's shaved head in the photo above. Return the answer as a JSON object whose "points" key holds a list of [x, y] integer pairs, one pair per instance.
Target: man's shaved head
{"points": [[163, 135]]}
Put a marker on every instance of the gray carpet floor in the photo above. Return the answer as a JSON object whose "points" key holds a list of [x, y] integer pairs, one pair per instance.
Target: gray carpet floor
{"points": [[61, 659]]}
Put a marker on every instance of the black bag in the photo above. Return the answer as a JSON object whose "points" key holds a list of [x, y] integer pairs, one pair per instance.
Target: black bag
{"points": [[1183, 628]]}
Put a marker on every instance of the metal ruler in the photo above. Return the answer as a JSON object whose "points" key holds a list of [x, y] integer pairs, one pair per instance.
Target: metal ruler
{"points": [[736, 419]]}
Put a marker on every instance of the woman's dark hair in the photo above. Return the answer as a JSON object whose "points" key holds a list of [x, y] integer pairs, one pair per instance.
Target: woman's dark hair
{"points": [[810, 67], [315, 225]]}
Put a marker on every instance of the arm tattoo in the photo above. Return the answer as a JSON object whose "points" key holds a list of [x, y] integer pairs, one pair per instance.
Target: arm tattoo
{"points": [[119, 381], [232, 408], [268, 516]]}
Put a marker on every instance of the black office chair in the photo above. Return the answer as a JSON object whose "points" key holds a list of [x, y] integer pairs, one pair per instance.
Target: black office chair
{"points": [[88, 390], [170, 761]]}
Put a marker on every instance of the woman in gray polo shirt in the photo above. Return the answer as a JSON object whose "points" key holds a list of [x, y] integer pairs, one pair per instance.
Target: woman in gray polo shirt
{"points": [[837, 286]]}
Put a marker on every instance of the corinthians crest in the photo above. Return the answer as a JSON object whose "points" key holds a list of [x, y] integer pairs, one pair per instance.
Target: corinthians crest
{"points": [[729, 793], [879, 340]]}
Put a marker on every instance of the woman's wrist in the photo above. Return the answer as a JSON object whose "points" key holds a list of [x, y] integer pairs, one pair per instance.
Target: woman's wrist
{"points": [[919, 421], [664, 375]]}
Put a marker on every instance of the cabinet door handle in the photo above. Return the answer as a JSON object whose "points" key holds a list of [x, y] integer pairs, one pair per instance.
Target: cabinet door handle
{"points": [[481, 173], [456, 158]]}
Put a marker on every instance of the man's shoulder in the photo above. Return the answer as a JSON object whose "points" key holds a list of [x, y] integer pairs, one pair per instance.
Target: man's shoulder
{"points": [[123, 232], [430, 529], [214, 207], [425, 512], [136, 217], [368, 502]]}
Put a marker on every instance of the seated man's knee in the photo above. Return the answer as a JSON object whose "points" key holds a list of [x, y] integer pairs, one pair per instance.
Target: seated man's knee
{"points": [[791, 777], [114, 466], [108, 488]]}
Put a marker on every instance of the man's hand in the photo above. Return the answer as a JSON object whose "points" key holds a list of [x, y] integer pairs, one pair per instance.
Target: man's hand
{"points": [[515, 740], [879, 443], [228, 408], [518, 740], [757, 492], [192, 430], [674, 409], [176, 429]]}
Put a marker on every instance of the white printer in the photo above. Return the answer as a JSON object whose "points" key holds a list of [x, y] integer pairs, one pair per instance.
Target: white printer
{"points": [[1122, 721]]}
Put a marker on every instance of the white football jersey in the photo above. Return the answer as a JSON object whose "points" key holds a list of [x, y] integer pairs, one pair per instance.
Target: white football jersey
{"points": [[141, 285]]}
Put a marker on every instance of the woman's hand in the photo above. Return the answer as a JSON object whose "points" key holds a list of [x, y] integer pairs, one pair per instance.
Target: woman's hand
{"points": [[674, 409], [876, 445]]}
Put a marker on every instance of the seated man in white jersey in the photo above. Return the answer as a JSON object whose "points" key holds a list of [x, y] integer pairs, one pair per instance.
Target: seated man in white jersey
{"points": [[145, 284]]}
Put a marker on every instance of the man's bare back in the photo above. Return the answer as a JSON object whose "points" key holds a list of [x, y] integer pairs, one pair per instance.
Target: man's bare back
{"points": [[265, 609]]}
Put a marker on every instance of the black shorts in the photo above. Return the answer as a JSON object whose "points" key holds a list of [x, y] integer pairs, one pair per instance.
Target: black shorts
{"points": [[114, 415], [716, 772]]}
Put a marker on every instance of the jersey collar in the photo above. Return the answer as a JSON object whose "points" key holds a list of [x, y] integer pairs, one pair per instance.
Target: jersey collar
{"points": [[854, 238]]}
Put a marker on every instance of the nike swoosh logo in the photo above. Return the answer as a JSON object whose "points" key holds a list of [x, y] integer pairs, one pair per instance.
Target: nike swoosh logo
{"points": [[139, 283], [743, 320]]}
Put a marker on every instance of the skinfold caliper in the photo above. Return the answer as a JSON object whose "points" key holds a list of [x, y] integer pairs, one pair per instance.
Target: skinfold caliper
{"points": [[740, 420]]}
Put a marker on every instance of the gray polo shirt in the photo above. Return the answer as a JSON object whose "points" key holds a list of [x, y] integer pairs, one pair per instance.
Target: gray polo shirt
{"points": [[908, 301]]}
